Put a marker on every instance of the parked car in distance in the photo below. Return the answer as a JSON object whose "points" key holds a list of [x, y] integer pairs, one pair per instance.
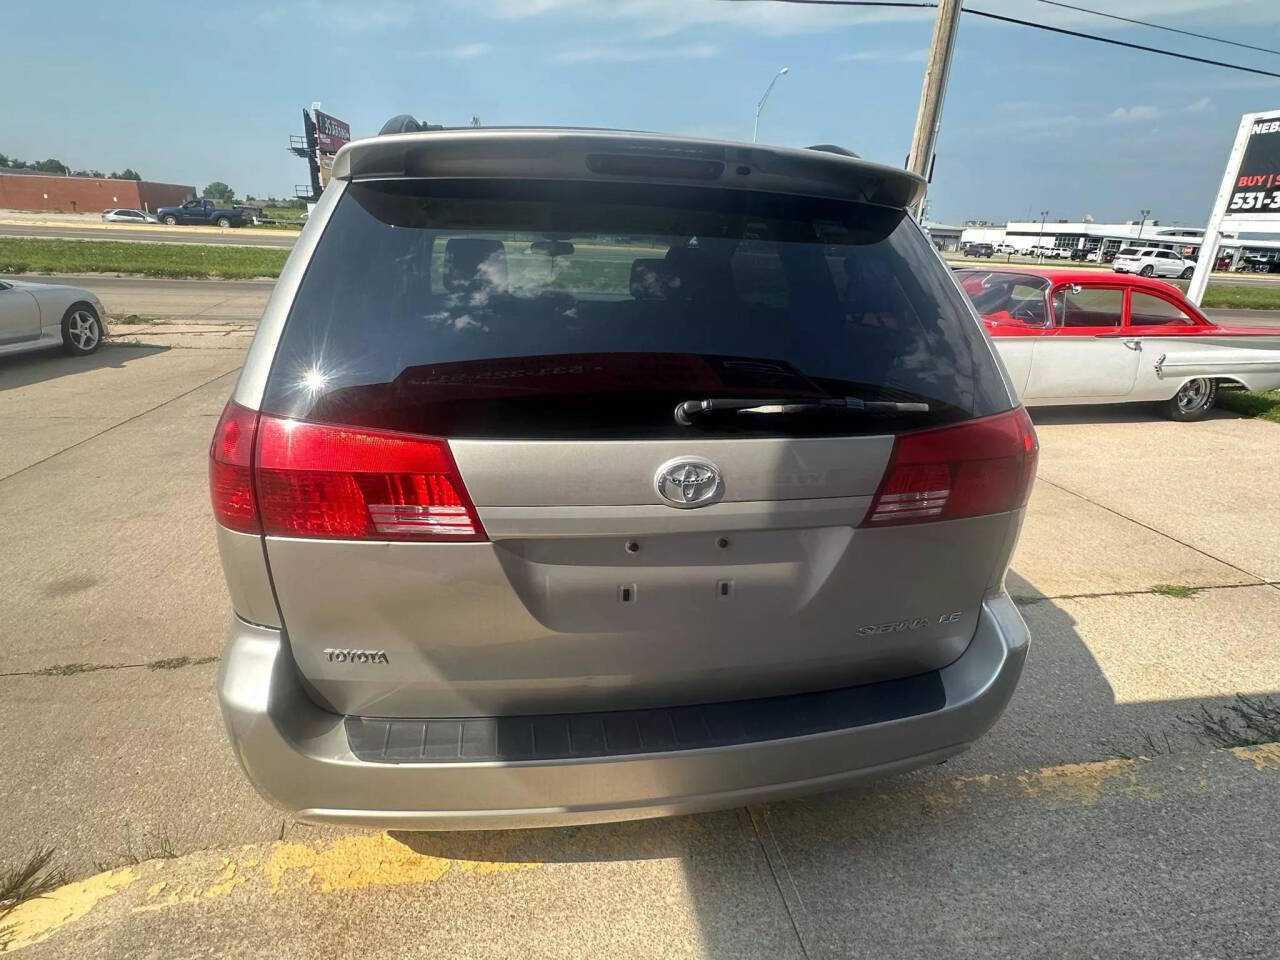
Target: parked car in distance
{"points": [[1080, 253], [126, 215], [727, 524], [1153, 262], [1072, 337], [35, 316], [1107, 257], [979, 250], [201, 211]]}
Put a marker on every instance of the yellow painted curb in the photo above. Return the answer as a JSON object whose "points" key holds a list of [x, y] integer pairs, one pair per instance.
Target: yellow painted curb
{"points": [[355, 862]]}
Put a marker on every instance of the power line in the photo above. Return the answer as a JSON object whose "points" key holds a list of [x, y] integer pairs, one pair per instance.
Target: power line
{"points": [[1158, 26], [1120, 43], [1038, 26]]}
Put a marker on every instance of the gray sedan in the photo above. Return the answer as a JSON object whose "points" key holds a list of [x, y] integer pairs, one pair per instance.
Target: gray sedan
{"points": [[126, 215], [38, 315]]}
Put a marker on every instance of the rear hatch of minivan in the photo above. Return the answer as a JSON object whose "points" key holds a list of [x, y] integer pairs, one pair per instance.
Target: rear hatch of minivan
{"points": [[548, 446]]}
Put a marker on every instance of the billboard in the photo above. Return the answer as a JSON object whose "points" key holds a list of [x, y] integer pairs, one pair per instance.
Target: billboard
{"points": [[331, 133], [1255, 190], [1250, 190]]}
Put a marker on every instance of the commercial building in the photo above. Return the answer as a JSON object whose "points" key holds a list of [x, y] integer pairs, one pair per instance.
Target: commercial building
{"points": [[20, 190], [944, 236], [1031, 236]]}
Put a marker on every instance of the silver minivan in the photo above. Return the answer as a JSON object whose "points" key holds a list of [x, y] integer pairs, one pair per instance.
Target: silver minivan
{"points": [[578, 475]]}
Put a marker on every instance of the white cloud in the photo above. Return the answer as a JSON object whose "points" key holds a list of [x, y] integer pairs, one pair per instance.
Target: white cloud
{"points": [[885, 56], [1135, 113], [1198, 106], [692, 51], [468, 51]]}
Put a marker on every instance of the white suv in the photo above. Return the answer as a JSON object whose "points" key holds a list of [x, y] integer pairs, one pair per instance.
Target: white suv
{"points": [[1150, 262]]}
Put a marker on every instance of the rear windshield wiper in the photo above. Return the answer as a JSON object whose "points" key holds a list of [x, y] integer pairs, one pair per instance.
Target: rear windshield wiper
{"points": [[686, 411]]}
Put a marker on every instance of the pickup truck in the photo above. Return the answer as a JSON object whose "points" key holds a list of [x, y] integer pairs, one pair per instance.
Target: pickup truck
{"points": [[200, 211]]}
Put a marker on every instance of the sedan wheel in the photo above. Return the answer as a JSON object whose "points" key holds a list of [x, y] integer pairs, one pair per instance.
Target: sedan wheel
{"points": [[1193, 401], [1186, 274], [1147, 271], [81, 331]]}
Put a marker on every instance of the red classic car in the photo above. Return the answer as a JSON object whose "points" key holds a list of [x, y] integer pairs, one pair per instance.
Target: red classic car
{"points": [[1082, 336]]}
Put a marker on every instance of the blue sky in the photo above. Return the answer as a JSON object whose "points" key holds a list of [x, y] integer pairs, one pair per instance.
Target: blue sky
{"points": [[1032, 120]]}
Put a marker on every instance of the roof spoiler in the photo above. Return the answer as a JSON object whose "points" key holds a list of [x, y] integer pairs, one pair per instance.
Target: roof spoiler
{"points": [[409, 149]]}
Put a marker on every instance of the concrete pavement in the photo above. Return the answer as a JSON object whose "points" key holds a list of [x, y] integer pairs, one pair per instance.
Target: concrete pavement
{"points": [[114, 750], [1172, 857]]}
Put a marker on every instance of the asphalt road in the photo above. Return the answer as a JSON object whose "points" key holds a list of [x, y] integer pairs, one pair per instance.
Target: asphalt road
{"points": [[1039, 842], [157, 234], [242, 301]]}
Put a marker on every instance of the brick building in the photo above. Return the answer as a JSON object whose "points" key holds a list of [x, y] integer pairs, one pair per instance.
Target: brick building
{"points": [[25, 191]]}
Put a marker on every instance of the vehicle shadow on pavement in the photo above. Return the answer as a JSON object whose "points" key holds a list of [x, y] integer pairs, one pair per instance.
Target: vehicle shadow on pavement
{"points": [[729, 901], [849, 867], [25, 369], [1111, 413]]}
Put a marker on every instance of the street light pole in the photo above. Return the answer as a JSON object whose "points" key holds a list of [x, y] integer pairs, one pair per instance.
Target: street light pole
{"points": [[755, 128], [1145, 214], [1040, 239]]}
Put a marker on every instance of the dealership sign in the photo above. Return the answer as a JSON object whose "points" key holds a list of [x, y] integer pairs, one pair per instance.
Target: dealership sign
{"points": [[331, 133], [1257, 180], [1250, 190]]}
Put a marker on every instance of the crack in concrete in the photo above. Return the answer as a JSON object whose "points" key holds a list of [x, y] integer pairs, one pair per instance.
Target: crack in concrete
{"points": [[75, 669], [126, 420], [1262, 581], [797, 914], [1027, 601]]}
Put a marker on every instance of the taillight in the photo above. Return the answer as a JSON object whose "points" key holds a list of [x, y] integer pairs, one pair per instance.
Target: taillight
{"points": [[230, 461], [969, 470], [335, 482]]}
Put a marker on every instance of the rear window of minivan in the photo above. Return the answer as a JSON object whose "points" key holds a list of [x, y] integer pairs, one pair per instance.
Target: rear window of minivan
{"points": [[527, 310]]}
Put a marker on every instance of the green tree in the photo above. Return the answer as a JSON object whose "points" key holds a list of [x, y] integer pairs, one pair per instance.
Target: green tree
{"points": [[51, 166], [98, 174], [128, 173], [219, 191]]}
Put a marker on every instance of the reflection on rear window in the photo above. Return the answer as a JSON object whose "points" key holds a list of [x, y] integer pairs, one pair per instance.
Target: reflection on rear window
{"points": [[530, 310]]}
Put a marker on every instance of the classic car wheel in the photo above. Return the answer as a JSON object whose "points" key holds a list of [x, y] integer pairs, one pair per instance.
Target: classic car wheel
{"points": [[224, 222], [1147, 271], [171, 220], [1186, 274], [1193, 401], [81, 330]]}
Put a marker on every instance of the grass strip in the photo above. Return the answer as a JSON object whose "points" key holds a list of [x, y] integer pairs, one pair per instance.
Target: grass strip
{"points": [[1251, 403], [171, 260]]}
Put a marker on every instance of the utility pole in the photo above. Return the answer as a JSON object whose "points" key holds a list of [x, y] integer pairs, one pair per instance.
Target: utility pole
{"points": [[929, 117], [1145, 214], [1044, 214]]}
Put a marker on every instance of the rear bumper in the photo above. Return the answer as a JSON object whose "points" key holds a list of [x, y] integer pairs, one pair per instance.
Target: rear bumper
{"points": [[298, 756]]}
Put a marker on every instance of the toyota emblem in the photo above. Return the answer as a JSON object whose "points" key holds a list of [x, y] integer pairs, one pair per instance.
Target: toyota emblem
{"points": [[688, 482]]}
